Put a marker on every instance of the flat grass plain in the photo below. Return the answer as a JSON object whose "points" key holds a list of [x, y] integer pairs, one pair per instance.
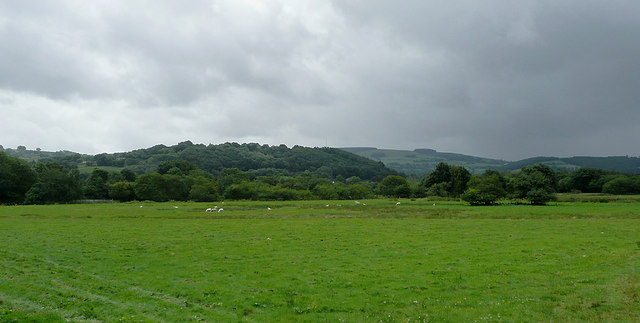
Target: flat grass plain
{"points": [[309, 262]]}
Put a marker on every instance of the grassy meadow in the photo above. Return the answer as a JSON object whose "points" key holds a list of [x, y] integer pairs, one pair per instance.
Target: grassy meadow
{"points": [[419, 261]]}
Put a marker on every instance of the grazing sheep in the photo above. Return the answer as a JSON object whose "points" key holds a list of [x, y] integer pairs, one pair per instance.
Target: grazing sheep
{"points": [[269, 209], [357, 202], [220, 210], [398, 203]]}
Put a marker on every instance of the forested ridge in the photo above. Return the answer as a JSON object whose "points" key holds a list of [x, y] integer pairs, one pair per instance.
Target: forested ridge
{"points": [[323, 162]]}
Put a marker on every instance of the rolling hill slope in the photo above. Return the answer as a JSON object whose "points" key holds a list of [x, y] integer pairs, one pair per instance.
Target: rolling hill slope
{"points": [[422, 161]]}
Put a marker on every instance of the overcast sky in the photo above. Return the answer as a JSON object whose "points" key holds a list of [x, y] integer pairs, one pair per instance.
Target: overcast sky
{"points": [[502, 79]]}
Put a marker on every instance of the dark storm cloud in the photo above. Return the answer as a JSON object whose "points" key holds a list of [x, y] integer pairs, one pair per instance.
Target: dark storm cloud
{"points": [[517, 78], [506, 79]]}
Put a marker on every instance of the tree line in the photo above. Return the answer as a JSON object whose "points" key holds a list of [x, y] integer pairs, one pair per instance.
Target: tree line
{"points": [[535, 184], [181, 180]]}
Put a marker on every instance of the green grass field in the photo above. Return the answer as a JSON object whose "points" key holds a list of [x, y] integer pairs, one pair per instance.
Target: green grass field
{"points": [[308, 262]]}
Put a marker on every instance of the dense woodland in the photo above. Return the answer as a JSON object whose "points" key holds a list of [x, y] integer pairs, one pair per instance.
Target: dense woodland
{"points": [[254, 172], [213, 159]]}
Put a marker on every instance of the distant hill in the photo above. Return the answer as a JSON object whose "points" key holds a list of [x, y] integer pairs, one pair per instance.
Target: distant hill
{"points": [[422, 161], [623, 164], [264, 159]]}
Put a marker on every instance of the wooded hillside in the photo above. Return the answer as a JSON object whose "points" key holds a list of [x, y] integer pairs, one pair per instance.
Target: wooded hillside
{"points": [[323, 162]]}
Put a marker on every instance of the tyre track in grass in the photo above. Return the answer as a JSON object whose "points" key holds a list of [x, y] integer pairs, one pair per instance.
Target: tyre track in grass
{"points": [[88, 293], [22, 304]]}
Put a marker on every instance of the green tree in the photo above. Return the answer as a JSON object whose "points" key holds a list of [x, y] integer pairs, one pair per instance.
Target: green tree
{"points": [[394, 186], [203, 190], [150, 187], [621, 185], [403, 191], [16, 178], [439, 189], [55, 184], [230, 176], [446, 180], [128, 175], [242, 191], [357, 191], [326, 191], [460, 176], [176, 167], [492, 172], [535, 183], [176, 187], [442, 174], [96, 186], [587, 180], [484, 190], [122, 191]]}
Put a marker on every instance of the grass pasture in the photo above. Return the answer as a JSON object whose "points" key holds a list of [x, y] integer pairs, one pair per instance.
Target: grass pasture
{"points": [[308, 262]]}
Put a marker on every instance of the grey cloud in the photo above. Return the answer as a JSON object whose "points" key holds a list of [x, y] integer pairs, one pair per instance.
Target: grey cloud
{"points": [[520, 72], [496, 78]]}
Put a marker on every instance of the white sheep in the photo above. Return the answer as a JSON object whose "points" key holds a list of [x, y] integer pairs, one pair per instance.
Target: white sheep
{"points": [[220, 210], [398, 203]]}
